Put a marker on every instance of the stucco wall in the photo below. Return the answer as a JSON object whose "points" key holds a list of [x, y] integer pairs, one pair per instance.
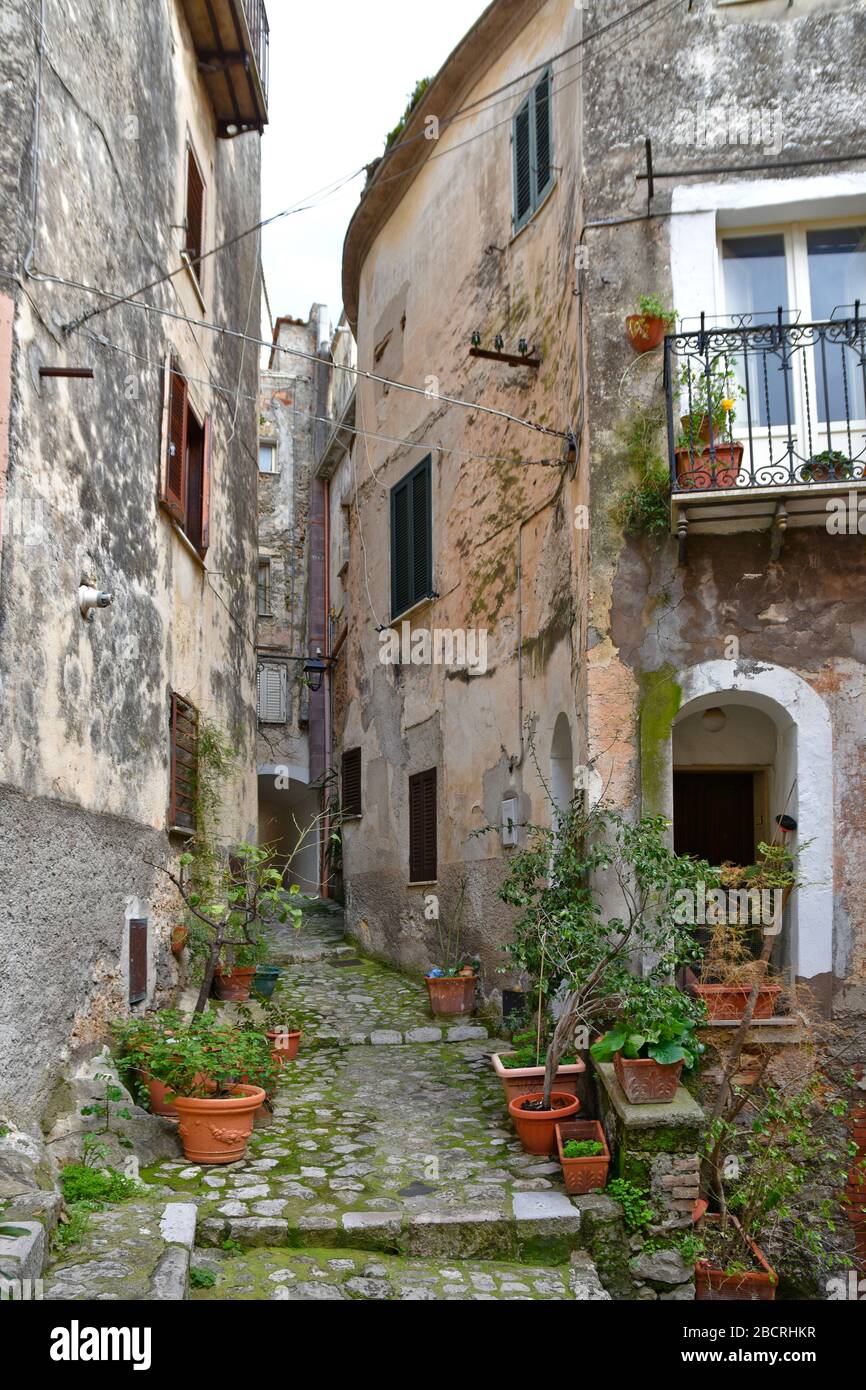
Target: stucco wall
{"points": [[85, 705]]}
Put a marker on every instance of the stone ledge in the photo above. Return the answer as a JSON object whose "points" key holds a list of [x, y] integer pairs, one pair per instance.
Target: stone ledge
{"points": [[683, 1112]]}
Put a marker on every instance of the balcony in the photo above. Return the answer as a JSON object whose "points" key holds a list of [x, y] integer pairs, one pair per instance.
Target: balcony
{"points": [[766, 425], [231, 40]]}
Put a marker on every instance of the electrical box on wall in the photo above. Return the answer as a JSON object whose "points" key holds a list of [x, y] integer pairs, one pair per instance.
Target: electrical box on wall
{"points": [[509, 822]]}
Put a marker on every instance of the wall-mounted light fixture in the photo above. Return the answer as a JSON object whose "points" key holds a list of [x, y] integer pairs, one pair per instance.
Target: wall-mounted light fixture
{"points": [[714, 719]]}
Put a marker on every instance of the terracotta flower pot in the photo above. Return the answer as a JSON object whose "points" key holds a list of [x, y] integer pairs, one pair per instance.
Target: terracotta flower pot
{"points": [[714, 1285], [646, 1082], [284, 1045], [216, 1130], [451, 994], [179, 938], [537, 1128], [696, 470], [727, 1003], [582, 1174], [519, 1081], [156, 1091], [645, 332], [235, 986]]}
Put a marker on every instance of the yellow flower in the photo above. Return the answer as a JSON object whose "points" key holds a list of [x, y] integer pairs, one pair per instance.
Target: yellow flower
{"points": [[728, 404]]}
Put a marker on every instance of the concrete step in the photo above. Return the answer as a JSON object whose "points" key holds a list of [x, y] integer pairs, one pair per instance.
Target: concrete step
{"points": [[135, 1250], [338, 1273]]}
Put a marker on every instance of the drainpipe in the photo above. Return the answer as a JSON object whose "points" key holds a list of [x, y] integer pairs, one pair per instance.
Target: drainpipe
{"points": [[326, 588]]}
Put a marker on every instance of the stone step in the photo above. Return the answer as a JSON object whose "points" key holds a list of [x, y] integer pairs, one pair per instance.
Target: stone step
{"points": [[340, 1273], [135, 1250]]}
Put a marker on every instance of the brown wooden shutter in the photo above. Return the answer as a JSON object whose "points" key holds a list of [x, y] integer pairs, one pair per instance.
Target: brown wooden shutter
{"points": [[205, 487], [194, 212], [423, 858], [174, 477], [352, 782], [137, 959], [184, 763]]}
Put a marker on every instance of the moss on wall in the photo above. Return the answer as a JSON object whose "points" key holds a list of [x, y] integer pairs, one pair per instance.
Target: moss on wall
{"points": [[660, 699]]}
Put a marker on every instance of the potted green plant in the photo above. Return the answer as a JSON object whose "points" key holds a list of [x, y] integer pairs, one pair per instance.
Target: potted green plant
{"points": [[706, 453], [652, 1042], [451, 983], [522, 1070], [829, 464], [536, 1116], [583, 1155], [646, 329], [135, 1040]]}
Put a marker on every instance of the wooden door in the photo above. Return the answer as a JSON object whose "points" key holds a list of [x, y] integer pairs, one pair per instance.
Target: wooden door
{"points": [[714, 816]]}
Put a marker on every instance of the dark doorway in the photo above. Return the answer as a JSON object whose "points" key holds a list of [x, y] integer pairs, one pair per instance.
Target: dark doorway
{"points": [[714, 816]]}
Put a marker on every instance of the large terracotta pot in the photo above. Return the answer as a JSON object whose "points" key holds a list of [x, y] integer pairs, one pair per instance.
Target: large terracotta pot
{"points": [[217, 1130], [727, 1003], [234, 987], [582, 1174], [537, 1128], [714, 1286], [645, 1082], [451, 994], [284, 1045], [519, 1081], [645, 332], [696, 471]]}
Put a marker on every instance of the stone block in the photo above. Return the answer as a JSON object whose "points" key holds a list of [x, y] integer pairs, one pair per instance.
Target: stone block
{"points": [[461, 1232], [465, 1032], [177, 1224], [383, 1037], [424, 1035]]}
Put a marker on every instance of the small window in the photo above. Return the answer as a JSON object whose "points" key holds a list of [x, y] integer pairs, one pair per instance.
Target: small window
{"points": [[185, 491], [532, 144], [422, 827], [183, 773], [411, 540], [267, 456], [273, 694], [264, 589], [194, 214], [351, 792]]}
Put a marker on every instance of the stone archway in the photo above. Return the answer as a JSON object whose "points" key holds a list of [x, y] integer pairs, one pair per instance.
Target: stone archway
{"points": [[561, 765]]}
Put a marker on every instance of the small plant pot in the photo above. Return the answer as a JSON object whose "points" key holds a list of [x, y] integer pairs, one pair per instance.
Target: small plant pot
{"points": [[179, 938], [536, 1129], [519, 1081], [284, 1046], [216, 1130], [646, 1082], [451, 994], [582, 1174], [715, 1286], [727, 1003], [265, 980], [696, 470], [234, 987], [156, 1091], [645, 332]]}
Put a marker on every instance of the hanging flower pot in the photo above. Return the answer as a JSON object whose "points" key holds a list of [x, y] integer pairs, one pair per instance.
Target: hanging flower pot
{"points": [[233, 985], [451, 994], [645, 333], [216, 1129], [536, 1128]]}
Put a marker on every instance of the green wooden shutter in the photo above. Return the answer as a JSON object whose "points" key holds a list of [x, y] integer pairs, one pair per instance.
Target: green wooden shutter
{"points": [[411, 539], [352, 782], [543, 143], [521, 141], [401, 587], [422, 571]]}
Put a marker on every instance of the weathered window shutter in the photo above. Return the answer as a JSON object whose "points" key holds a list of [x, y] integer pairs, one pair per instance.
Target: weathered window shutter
{"points": [[174, 474], [423, 857], [422, 578], [137, 959], [401, 585], [205, 487], [194, 212], [521, 138], [543, 143], [351, 792], [272, 692], [184, 763]]}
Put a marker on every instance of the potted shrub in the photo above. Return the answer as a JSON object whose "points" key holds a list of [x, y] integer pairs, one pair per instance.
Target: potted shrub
{"points": [[705, 456], [583, 1155], [646, 329], [522, 1070], [135, 1041], [830, 464], [451, 984], [234, 974], [265, 980], [652, 1043], [536, 1117]]}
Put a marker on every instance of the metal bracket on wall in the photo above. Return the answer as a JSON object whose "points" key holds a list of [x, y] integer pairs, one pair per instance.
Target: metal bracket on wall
{"points": [[512, 359], [778, 529], [682, 534]]}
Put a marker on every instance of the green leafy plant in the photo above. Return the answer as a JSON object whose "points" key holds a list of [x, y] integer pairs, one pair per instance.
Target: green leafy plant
{"points": [[420, 88], [659, 1022], [830, 463], [709, 391], [637, 1209], [200, 1278], [644, 506], [649, 306], [80, 1182], [582, 1148], [202, 1057], [109, 1109]]}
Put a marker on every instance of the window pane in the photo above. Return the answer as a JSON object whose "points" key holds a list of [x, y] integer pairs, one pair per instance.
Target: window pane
{"points": [[837, 277], [756, 284], [267, 458], [264, 590]]}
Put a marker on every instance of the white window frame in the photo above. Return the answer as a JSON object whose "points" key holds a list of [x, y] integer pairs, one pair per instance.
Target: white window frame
{"points": [[271, 446]]}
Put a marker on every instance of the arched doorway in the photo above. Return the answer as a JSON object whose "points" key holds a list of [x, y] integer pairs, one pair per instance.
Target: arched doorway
{"points": [[561, 766], [752, 741]]}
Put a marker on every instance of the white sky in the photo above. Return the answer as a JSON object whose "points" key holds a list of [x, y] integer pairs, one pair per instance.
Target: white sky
{"points": [[340, 76]]}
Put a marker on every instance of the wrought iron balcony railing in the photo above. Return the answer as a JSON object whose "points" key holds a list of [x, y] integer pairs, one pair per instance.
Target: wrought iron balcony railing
{"points": [[767, 405], [257, 23], [231, 39]]}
